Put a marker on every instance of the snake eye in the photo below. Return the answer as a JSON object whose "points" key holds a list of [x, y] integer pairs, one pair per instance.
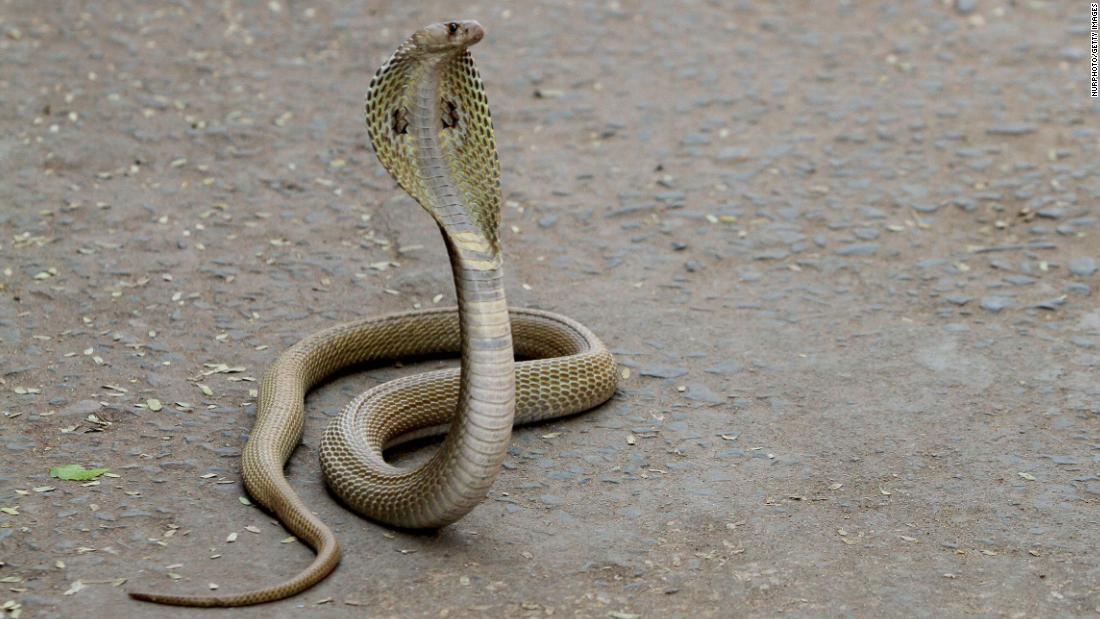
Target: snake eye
{"points": [[452, 28]]}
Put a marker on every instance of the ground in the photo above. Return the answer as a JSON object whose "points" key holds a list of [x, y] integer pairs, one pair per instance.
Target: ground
{"points": [[846, 254]]}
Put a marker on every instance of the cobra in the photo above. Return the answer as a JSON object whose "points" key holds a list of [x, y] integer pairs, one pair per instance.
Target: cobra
{"points": [[428, 120]]}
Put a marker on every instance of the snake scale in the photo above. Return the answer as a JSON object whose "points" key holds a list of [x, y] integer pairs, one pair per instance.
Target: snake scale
{"points": [[428, 120]]}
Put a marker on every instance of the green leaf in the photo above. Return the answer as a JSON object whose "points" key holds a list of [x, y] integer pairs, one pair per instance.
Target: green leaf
{"points": [[75, 472]]}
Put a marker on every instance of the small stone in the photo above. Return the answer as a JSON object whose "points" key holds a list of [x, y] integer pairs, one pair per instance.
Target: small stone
{"points": [[1011, 129], [1082, 342], [1051, 304], [692, 266], [925, 207], [966, 7], [695, 139], [548, 221], [1082, 267], [996, 303], [1078, 288], [958, 299], [858, 249], [701, 393], [633, 209], [135, 513], [1072, 54], [777, 253], [1020, 280], [726, 367], [966, 204], [732, 154], [657, 371]]}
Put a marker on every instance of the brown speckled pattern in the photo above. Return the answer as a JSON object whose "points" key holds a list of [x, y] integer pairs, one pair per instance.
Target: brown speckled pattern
{"points": [[452, 170]]}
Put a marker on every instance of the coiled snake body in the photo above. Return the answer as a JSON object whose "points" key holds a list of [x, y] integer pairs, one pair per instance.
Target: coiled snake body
{"points": [[429, 123]]}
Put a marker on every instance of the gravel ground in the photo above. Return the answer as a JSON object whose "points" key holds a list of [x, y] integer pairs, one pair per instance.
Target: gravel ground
{"points": [[846, 254]]}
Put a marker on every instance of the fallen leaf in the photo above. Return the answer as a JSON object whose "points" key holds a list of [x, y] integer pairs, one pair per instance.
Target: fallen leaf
{"points": [[75, 472]]}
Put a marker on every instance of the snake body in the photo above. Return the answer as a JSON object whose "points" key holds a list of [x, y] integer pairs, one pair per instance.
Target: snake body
{"points": [[428, 120]]}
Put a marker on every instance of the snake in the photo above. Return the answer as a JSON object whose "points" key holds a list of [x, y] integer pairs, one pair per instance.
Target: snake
{"points": [[428, 120]]}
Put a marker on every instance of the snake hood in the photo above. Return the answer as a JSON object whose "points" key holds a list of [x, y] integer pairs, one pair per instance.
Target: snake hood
{"points": [[428, 120]]}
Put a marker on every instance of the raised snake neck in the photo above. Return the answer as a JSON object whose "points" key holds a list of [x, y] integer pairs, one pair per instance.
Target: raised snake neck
{"points": [[429, 123]]}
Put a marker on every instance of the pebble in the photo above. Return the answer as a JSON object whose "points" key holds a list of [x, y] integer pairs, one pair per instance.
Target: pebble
{"points": [[1011, 129], [634, 209], [1051, 304], [135, 513], [1020, 280], [726, 367], [1083, 267], [966, 7], [871, 212], [699, 392], [997, 303], [732, 154], [1078, 288], [657, 371], [777, 253], [858, 249]]}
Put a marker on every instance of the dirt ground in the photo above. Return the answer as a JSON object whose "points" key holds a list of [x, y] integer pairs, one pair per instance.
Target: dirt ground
{"points": [[846, 254]]}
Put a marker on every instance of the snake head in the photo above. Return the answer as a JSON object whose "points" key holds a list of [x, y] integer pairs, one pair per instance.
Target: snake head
{"points": [[447, 37]]}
